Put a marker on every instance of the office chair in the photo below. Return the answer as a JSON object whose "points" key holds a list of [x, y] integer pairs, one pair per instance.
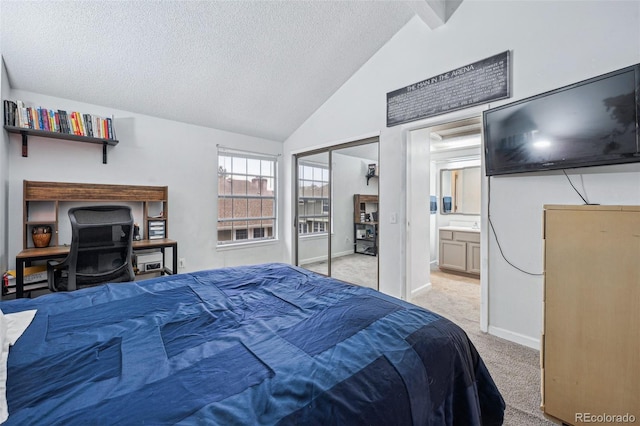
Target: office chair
{"points": [[100, 252]]}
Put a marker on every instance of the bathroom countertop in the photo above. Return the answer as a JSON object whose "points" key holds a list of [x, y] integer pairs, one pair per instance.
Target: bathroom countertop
{"points": [[459, 228]]}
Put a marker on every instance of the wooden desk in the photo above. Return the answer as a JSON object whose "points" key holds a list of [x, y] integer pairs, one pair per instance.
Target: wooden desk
{"points": [[25, 257]]}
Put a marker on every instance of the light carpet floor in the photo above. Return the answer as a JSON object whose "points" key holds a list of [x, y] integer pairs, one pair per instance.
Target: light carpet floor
{"points": [[360, 269]]}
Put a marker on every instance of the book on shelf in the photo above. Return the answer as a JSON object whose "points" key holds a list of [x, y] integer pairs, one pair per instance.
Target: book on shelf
{"points": [[10, 108], [16, 114], [34, 122], [87, 124]]}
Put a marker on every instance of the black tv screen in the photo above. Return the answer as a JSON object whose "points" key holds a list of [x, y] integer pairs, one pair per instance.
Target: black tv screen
{"points": [[593, 122]]}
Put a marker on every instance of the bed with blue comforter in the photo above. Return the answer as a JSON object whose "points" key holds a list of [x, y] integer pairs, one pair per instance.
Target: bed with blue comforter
{"points": [[252, 345]]}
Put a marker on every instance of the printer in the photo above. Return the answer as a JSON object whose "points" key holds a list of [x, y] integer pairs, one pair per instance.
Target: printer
{"points": [[148, 260]]}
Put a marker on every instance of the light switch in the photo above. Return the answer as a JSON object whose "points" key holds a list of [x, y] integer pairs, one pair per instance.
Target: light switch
{"points": [[393, 218]]}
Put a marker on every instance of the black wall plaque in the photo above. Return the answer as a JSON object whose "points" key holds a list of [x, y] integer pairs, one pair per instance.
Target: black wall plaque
{"points": [[473, 84]]}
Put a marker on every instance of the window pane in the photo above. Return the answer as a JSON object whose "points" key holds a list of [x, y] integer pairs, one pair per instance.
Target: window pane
{"points": [[308, 189], [253, 167], [239, 185], [268, 226], [240, 208], [224, 185], [255, 208], [255, 186], [270, 186], [224, 208], [240, 230], [224, 164], [308, 173], [267, 207], [266, 168], [224, 235], [239, 165]]}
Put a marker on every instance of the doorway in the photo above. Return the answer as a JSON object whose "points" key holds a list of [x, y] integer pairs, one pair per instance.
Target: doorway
{"points": [[456, 187], [330, 237], [447, 159]]}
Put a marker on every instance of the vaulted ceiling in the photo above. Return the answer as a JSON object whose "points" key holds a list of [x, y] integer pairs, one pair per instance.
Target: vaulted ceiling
{"points": [[259, 68]]}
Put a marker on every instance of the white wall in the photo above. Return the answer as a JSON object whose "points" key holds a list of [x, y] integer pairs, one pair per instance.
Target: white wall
{"points": [[151, 151], [349, 179], [552, 44]]}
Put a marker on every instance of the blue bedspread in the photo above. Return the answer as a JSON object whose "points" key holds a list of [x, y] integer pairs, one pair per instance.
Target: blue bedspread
{"points": [[266, 344]]}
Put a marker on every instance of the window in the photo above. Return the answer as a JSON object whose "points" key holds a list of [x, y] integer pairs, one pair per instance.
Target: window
{"points": [[313, 198], [246, 197]]}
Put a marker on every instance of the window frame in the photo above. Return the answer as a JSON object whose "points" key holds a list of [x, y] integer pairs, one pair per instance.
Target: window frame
{"points": [[237, 176]]}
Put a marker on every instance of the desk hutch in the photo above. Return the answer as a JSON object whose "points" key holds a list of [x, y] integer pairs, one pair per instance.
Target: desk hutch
{"points": [[41, 205]]}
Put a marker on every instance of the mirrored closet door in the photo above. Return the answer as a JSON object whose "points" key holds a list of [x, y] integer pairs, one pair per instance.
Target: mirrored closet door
{"points": [[337, 196]]}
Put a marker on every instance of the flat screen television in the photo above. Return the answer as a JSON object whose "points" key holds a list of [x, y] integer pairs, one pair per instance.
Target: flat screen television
{"points": [[593, 122]]}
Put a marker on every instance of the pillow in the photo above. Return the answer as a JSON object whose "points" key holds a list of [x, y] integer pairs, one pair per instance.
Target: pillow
{"points": [[11, 328]]}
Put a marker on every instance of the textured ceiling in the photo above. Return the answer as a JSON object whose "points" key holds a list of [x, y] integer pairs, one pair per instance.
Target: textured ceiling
{"points": [[256, 68]]}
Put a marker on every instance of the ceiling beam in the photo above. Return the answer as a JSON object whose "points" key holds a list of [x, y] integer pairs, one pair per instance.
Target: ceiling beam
{"points": [[435, 13]]}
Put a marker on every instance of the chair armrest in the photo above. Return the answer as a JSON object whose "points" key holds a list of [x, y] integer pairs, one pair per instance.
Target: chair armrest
{"points": [[52, 267], [51, 264]]}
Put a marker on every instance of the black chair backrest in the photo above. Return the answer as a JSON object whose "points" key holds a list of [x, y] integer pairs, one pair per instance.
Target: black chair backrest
{"points": [[101, 246], [103, 235]]}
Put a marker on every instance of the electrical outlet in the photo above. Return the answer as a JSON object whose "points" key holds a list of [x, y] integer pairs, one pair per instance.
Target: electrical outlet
{"points": [[182, 263]]}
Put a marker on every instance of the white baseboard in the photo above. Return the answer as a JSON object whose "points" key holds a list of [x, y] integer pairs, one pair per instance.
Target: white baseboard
{"points": [[420, 290], [518, 338], [324, 258]]}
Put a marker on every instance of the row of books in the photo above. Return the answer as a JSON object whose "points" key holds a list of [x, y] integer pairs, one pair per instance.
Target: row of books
{"points": [[74, 123]]}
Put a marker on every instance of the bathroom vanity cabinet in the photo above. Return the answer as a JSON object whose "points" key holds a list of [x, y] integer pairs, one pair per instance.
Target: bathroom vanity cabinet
{"points": [[459, 249]]}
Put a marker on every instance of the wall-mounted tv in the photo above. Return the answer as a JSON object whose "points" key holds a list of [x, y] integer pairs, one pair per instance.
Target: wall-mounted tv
{"points": [[593, 122]]}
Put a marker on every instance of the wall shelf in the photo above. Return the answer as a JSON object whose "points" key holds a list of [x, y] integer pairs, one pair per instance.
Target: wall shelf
{"points": [[365, 233], [25, 132]]}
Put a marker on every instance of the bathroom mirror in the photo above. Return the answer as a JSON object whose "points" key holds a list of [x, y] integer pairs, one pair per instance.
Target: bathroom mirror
{"points": [[460, 190]]}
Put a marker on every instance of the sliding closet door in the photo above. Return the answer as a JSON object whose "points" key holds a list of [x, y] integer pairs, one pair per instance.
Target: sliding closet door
{"points": [[313, 192], [328, 239]]}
